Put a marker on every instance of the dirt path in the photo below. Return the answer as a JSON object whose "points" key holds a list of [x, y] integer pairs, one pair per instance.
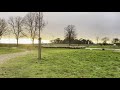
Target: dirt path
{"points": [[5, 57]]}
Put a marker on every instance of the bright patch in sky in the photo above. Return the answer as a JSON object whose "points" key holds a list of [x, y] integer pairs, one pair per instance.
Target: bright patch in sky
{"points": [[21, 41], [89, 25]]}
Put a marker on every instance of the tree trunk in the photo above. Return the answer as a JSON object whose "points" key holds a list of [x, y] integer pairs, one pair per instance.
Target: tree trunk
{"points": [[69, 42], [33, 42], [0, 42], [17, 42], [39, 48]]}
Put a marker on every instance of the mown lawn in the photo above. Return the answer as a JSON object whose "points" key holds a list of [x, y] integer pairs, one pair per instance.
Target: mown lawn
{"points": [[104, 46], [64, 63], [6, 50]]}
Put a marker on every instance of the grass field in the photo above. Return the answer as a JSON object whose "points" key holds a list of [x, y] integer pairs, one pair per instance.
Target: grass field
{"points": [[5, 50], [104, 46], [64, 63], [30, 46]]}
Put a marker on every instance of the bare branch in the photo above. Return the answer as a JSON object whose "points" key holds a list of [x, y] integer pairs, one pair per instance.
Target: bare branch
{"points": [[16, 23], [3, 27], [31, 21], [70, 33]]}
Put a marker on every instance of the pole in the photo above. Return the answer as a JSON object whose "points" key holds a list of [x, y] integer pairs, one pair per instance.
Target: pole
{"points": [[39, 41], [9, 39]]}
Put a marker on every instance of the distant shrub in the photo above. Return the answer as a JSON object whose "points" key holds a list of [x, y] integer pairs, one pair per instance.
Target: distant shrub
{"points": [[118, 44]]}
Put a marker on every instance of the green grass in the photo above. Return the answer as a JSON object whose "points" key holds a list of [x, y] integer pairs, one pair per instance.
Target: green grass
{"points": [[6, 50], [104, 46], [64, 63]]}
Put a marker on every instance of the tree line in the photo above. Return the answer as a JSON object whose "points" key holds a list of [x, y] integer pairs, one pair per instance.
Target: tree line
{"points": [[26, 26], [74, 41], [70, 38]]}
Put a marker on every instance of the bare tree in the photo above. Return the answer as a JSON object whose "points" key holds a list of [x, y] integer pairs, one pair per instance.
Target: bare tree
{"points": [[31, 24], [97, 38], [16, 24], [105, 39], [70, 33], [3, 27]]}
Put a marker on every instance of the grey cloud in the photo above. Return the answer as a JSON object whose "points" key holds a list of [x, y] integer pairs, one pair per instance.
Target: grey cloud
{"points": [[88, 24]]}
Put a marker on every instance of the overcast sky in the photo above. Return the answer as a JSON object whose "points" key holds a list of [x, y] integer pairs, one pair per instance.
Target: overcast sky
{"points": [[88, 24]]}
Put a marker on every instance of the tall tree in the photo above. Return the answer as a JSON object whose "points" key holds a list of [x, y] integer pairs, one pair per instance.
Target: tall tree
{"points": [[16, 24], [31, 21], [70, 33], [105, 39], [3, 27], [97, 38]]}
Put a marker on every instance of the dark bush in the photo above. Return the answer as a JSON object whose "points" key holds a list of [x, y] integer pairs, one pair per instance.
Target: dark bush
{"points": [[103, 49]]}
